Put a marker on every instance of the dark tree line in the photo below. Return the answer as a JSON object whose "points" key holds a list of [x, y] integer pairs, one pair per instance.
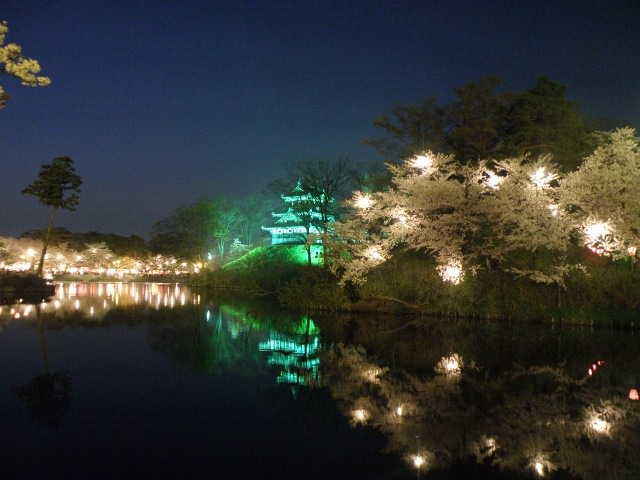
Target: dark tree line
{"points": [[126, 246], [483, 122]]}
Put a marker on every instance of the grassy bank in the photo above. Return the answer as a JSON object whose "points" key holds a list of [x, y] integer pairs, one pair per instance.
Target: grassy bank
{"points": [[607, 293]]}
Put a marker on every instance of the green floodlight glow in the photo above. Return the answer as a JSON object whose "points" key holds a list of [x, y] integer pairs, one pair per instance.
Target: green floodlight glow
{"points": [[299, 254], [305, 326], [292, 360], [295, 377], [289, 346], [298, 360]]}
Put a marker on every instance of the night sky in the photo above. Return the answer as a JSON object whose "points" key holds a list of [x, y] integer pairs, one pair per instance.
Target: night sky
{"points": [[160, 103]]}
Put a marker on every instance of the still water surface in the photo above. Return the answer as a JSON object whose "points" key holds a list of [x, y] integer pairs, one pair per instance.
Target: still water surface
{"points": [[155, 381]]}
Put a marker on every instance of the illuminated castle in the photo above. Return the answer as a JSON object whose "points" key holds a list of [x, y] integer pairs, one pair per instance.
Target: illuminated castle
{"points": [[302, 219]]}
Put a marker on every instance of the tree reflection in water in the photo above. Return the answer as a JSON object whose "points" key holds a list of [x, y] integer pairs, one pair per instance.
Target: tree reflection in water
{"points": [[47, 396], [536, 419], [509, 398]]}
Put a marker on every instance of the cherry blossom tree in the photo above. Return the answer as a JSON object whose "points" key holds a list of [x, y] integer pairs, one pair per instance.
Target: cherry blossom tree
{"points": [[13, 63], [465, 216], [605, 194]]}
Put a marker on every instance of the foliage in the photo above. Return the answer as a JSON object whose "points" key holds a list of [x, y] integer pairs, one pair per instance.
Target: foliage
{"points": [[196, 231], [57, 186], [263, 268], [311, 288], [224, 224], [278, 271], [483, 123], [252, 212], [5, 254], [511, 238], [187, 233], [476, 120], [542, 121], [467, 217], [329, 181], [13, 63], [132, 246], [238, 248], [605, 191]]}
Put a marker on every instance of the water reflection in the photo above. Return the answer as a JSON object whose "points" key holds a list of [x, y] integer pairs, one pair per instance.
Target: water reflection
{"points": [[530, 401], [296, 353], [538, 418], [94, 300], [48, 395]]}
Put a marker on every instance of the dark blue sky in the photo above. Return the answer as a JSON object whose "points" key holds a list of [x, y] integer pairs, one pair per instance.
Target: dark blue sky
{"points": [[160, 103]]}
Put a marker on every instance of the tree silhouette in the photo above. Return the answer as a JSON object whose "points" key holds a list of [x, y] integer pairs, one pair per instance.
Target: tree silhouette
{"points": [[57, 186]]}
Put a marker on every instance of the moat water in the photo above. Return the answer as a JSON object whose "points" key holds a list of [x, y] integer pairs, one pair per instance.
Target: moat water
{"points": [[141, 380]]}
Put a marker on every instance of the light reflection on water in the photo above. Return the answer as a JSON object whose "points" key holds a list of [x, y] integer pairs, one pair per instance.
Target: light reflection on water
{"points": [[516, 397], [500, 395], [147, 381], [96, 299]]}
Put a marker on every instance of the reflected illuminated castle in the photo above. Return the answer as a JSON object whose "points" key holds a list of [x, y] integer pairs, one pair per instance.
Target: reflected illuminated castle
{"points": [[297, 356]]}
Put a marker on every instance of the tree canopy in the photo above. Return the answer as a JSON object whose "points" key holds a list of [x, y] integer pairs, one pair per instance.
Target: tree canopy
{"points": [[465, 216], [57, 186], [187, 233], [483, 123], [519, 215], [198, 230], [604, 194]]}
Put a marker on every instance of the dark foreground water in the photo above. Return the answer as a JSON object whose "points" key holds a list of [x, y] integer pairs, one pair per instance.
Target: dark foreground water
{"points": [[153, 381]]}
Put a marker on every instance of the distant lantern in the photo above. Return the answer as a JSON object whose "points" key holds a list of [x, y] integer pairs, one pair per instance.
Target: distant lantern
{"points": [[633, 394]]}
